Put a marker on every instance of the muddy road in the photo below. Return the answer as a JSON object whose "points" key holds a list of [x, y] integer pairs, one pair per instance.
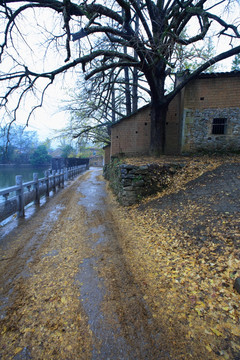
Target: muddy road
{"points": [[66, 289]]}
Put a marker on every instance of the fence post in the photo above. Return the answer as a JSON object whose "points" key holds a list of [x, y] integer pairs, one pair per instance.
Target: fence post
{"points": [[54, 180], [20, 196], [47, 182], [57, 178], [66, 174], [36, 188], [62, 177]]}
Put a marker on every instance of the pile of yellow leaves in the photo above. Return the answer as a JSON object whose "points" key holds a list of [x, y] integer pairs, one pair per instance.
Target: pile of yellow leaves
{"points": [[185, 257]]}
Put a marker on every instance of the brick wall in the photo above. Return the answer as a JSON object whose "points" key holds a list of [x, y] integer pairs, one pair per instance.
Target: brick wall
{"points": [[107, 156], [213, 92], [189, 119], [207, 99], [132, 134], [173, 126]]}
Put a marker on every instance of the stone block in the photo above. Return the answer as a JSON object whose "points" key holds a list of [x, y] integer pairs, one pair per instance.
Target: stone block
{"points": [[138, 183], [128, 188], [123, 171], [129, 176], [237, 284], [143, 167], [126, 182], [128, 167], [141, 172]]}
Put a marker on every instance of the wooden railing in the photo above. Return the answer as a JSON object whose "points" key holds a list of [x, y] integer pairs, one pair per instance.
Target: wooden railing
{"points": [[16, 197]]}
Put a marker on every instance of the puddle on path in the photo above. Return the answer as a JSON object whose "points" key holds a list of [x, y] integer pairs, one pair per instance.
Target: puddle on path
{"points": [[99, 231], [93, 192], [51, 253], [108, 340], [108, 344]]}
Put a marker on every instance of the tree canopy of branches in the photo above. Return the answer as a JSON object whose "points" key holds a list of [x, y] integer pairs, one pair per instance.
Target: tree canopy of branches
{"points": [[94, 106], [93, 26]]}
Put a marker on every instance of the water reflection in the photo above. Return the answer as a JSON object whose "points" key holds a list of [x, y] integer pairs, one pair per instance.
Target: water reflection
{"points": [[8, 174]]}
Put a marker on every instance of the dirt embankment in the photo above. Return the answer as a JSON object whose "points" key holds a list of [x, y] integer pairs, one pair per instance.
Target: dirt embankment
{"points": [[183, 247]]}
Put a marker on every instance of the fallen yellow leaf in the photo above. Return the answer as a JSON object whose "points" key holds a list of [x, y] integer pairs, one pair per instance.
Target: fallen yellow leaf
{"points": [[64, 300], [235, 345], [4, 329], [208, 347], [17, 350], [216, 332], [235, 330]]}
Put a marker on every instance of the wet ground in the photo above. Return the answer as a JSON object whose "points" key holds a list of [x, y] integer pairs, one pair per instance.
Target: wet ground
{"points": [[66, 289], [84, 278], [118, 317]]}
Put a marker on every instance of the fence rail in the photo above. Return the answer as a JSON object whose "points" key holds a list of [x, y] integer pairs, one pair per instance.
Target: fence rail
{"points": [[16, 197]]}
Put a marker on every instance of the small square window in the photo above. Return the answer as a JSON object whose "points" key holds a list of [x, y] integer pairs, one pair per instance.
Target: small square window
{"points": [[219, 126]]}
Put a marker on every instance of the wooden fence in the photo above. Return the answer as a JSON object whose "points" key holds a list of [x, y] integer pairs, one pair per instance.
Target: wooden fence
{"points": [[16, 197]]}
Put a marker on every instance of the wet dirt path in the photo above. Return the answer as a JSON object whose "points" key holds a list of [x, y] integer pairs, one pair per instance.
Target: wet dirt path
{"points": [[66, 289]]}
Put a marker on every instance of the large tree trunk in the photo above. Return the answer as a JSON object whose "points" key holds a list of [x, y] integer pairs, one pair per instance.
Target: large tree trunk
{"points": [[113, 106], [158, 109], [127, 92], [158, 128], [127, 87], [135, 70], [135, 90]]}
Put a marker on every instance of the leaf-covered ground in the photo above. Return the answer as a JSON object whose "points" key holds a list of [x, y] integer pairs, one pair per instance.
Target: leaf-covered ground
{"points": [[166, 268], [42, 316], [183, 247]]}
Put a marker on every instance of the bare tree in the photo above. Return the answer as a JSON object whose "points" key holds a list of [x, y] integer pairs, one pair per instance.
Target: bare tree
{"points": [[95, 106], [161, 24]]}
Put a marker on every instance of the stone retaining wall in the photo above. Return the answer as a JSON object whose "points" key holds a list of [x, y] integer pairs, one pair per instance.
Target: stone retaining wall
{"points": [[131, 183]]}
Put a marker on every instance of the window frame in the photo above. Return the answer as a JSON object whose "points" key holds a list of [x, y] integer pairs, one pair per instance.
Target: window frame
{"points": [[219, 126]]}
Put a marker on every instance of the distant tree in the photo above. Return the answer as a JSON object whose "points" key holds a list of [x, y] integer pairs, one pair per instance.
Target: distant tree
{"points": [[67, 151], [17, 144], [47, 143], [40, 156], [236, 62], [7, 155]]}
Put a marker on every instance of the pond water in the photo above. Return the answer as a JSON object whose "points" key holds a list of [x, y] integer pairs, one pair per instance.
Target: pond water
{"points": [[8, 174]]}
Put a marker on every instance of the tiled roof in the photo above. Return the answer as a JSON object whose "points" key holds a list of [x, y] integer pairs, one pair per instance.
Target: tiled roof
{"points": [[219, 74]]}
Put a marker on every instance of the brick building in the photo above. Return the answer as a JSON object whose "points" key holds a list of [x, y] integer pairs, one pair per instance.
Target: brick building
{"points": [[205, 115], [131, 135]]}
